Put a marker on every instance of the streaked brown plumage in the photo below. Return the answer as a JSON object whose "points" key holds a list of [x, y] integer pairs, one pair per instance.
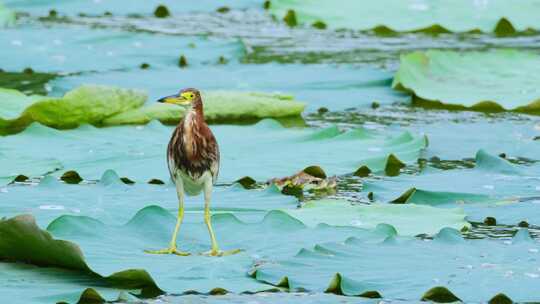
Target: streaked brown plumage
{"points": [[193, 149]]}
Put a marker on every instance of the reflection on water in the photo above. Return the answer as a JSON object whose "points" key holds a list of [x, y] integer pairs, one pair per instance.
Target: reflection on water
{"points": [[499, 231]]}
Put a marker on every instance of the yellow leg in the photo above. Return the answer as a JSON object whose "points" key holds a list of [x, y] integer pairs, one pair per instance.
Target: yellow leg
{"points": [[208, 221], [172, 246]]}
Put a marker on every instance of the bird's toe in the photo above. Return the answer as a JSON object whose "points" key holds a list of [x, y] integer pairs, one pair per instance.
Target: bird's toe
{"points": [[170, 250]]}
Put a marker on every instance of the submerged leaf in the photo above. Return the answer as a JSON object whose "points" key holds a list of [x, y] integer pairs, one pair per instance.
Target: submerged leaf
{"points": [[315, 171], [500, 298], [246, 182], [71, 177], [91, 296], [393, 165], [162, 12], [440, 294]]}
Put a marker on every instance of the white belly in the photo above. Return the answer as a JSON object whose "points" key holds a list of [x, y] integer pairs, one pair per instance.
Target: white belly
{"points": [[192, 186]]}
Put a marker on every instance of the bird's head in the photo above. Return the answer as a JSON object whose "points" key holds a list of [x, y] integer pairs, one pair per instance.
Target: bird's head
{"points": [[185, 97]]}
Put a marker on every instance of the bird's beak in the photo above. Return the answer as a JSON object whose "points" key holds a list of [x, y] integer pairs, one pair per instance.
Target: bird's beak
{"points": [[176, 99]]}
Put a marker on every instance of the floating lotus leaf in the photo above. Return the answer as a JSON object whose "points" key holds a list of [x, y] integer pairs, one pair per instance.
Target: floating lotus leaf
{"points": [[408, 220], [106, 199], [219, 106], [107, 236], [390, 16], [55, 284], [457, 140], [489, 81], [86, 104], [116, 254], [363, 266], [494, 187], [139, 152], [35, 166], [7, 16], [321, 85], [100, 105], [28, 83]]}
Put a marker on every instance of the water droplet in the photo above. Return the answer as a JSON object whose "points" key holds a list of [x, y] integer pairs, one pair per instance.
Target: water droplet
{"points": [[356, 223], [52, 207]]}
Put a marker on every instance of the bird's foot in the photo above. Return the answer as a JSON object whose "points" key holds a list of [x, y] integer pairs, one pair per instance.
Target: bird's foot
{"points": [[170, 250], [219, 253]]}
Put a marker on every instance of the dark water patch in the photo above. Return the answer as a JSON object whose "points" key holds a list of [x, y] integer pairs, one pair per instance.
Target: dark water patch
{"points": [[435, 162], [402, 114], [27, 81], [498, 231], [517, 160], [350, 188]]}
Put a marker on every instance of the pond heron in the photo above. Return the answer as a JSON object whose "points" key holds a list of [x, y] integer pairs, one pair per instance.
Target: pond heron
{"points": [[193, 160]]}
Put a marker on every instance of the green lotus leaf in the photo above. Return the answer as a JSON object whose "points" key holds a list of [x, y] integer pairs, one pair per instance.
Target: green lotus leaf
{"points": [[28, 83], [22, 240], [458, 141], [483, 79], [115, 258], [35, 166], [360, 267], [56, 284], [391, 16], [220, 106], [107, 200], [7, 16], [407, 219], [269, 153], [100, 105], [86, 104], [95, 220], [320, 85], [494, 187]]}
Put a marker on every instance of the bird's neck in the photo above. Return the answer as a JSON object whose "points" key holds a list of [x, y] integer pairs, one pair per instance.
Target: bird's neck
{"points": [[197, 108], [195, 113]]}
